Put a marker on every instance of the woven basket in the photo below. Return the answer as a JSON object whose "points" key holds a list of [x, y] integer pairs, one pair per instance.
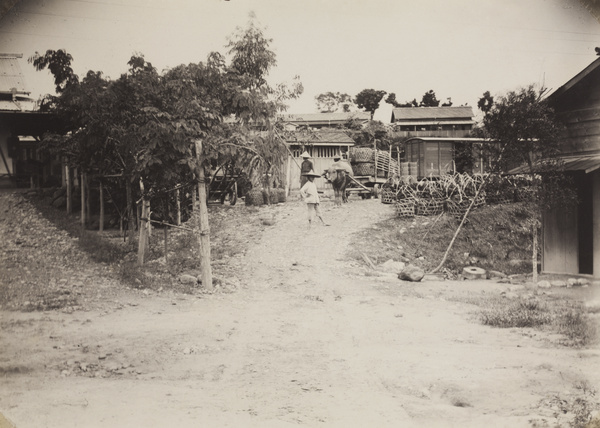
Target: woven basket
{"points": [[280, 195], [427, 207], [255, 197], [364, 168], [362, 155], [480, 201], [405, 208], [388, 196], [525, 194], [501, 198], [457, 209]]}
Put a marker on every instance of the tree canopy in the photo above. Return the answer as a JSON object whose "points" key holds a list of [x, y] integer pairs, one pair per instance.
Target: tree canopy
{"points": [[369, 100], [251, 56], [329, 102], [428, 99]]}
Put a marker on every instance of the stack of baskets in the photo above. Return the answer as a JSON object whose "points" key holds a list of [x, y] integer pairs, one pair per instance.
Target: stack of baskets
{"points": [[363, 161]]}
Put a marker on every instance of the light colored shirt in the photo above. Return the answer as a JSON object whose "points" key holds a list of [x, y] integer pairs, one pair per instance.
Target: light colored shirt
{"points": [[332, 171], [309, 193]]}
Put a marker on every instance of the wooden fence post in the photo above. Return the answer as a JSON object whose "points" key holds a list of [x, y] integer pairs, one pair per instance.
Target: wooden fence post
{"points": [[143, 226], [69, 184], [82, 188], [101, 223], [201, 225]]}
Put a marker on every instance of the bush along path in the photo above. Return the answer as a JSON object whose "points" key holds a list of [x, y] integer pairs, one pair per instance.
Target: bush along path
{"points": [[42, 266]]}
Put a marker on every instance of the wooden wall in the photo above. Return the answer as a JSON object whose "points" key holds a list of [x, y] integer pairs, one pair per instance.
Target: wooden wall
{"points": [[321, 165], [560, 253], [434, 158], [579, 110]]}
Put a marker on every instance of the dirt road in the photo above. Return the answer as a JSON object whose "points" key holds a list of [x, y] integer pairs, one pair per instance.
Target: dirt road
{"points": [[306, 340]]}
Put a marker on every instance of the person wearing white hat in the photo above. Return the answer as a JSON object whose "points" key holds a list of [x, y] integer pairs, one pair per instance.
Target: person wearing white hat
{"points": [[310, 195], [305, 167]]}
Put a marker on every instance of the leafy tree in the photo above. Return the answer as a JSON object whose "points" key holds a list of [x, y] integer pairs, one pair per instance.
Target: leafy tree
{"points": [[330, 102], [59, 64], [369, 99], [391, 99], [251, 56], [486, 102], [429, 100]]}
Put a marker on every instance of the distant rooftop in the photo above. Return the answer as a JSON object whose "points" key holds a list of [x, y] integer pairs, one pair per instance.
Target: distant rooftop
{"points": [[328, 137], [323, 118], [431, 113], [11, 77]]}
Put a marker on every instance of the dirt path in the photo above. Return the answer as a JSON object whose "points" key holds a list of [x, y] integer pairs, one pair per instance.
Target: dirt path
{"points": [[307, 340]]}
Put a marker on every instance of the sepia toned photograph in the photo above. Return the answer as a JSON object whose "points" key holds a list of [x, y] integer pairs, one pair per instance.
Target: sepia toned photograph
{"points": [[300, 213]]}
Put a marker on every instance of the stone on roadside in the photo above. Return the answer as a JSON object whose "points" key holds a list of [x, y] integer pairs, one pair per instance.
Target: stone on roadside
{"points": [[558, 283], [583, 281], [473, 272], [188, 279], [496, 274], [544, 284], [571, 282], [434, 277], [509, 295], [411, 273], [392, 266]]}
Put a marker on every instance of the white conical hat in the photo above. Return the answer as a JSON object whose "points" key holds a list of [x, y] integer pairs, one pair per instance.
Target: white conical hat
{"points": [[305, 155], [311, 173]]}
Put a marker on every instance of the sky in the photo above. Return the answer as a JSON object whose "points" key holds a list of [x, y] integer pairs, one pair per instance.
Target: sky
{"points": [[457, 48]]}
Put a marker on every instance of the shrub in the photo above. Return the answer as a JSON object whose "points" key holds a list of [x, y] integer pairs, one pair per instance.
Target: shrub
{"points": [[576, 325], [526, 313]]}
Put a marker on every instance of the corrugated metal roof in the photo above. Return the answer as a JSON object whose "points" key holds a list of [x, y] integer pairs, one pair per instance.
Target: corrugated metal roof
{"points": [[587, 163], [324, 137], [326, 117], [470, 139], [435, 122], [11, 75], [412, 113], [22, 104]]}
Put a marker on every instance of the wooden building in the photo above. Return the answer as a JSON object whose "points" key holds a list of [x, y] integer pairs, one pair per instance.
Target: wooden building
{"points": [[21, 126], [571, 240], [432, 134], [323, 146]]}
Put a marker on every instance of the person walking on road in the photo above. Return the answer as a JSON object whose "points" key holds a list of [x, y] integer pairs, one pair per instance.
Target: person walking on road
{"points": [[310, 195]]}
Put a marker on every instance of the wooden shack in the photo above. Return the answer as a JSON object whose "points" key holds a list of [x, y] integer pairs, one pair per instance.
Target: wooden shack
{"points": [[435, 156], [571, 239], [323, 146]]}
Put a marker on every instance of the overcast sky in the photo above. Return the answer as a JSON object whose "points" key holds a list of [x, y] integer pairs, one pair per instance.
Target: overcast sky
{"points": [[458, 48]]}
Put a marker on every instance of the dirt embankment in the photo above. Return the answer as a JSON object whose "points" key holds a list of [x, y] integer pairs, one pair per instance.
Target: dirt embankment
{"points": [[308, 339]]}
